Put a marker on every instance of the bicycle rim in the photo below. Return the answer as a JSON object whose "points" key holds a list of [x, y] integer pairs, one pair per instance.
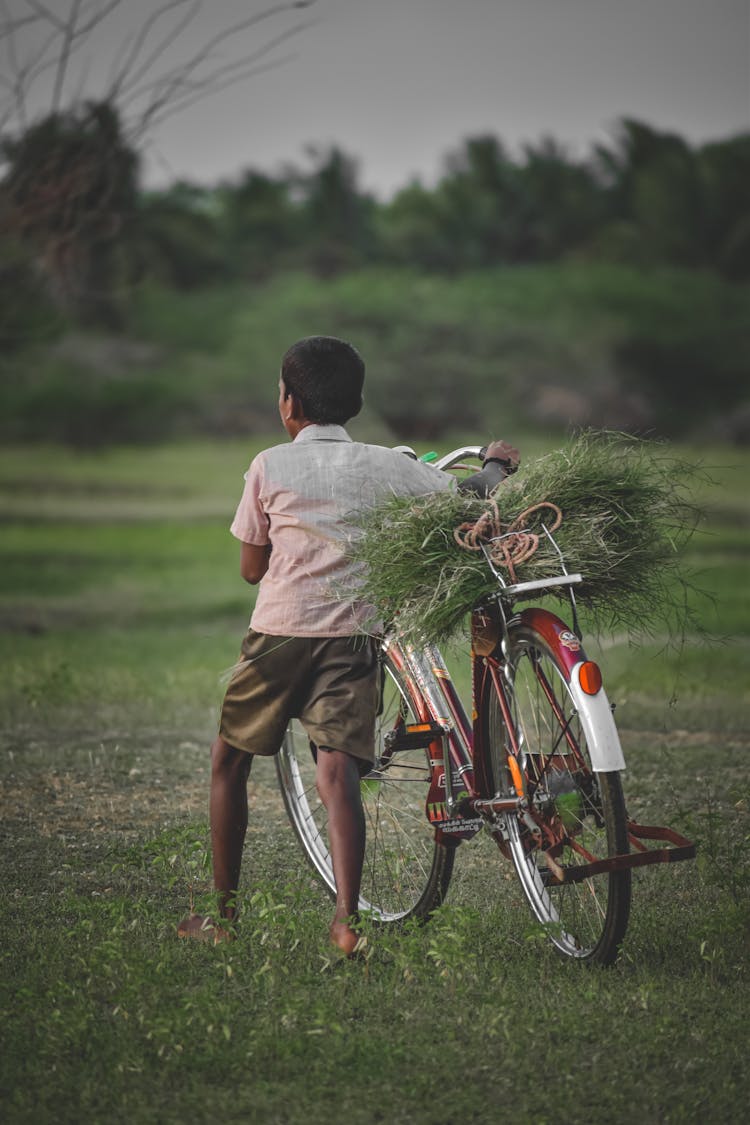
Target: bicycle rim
{"points": [[406, 873], [584, 920]]}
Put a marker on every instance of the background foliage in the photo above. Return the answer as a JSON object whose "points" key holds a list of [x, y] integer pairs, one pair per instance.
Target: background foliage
{"points": [[548, 290]]}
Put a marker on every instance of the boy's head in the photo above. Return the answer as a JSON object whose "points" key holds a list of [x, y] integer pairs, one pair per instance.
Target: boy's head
{"points": [[326, 376]]}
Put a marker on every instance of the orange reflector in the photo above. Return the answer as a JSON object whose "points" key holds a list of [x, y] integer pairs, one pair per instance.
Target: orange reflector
{"points": [[515, 773], [589, 677]]}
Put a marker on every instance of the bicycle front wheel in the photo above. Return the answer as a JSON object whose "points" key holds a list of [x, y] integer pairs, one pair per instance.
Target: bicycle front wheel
{"points": [[574, 812], [406, 871]]}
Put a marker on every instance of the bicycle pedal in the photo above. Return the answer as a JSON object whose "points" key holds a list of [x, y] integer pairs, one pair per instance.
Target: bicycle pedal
{"points": [[546, 876], [413, 736]]}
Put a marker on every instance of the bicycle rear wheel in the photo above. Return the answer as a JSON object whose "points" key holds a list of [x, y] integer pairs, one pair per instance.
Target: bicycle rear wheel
{"points": [[572, 809], [406, 872]]}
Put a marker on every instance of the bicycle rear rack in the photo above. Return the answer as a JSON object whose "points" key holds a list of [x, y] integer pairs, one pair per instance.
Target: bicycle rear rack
{"points": [[681, 848]]}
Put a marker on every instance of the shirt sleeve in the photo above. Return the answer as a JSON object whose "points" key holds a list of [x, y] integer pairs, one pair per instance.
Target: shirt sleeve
{"points": [[432, 479], [250, 524]]}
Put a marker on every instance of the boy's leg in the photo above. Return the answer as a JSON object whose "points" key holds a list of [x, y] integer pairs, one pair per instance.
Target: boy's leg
{"points": [[337, 778], [230, 769]]}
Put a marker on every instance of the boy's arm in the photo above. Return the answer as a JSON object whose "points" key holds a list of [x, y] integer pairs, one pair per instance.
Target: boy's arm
{"points": [[500, 460], [254, 561]]}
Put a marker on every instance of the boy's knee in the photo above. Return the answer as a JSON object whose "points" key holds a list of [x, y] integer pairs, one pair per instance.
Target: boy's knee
{"points": [[336, 770], [228, 762]]}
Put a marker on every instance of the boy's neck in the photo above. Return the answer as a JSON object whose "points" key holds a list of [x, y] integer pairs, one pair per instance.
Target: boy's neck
{"points": [[294, 426]]}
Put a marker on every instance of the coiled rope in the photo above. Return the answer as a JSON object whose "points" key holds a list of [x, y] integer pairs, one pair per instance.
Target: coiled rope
{"points": [[506, 547]]}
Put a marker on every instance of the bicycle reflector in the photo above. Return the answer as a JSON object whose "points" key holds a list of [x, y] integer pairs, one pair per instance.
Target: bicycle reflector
{"points": [[589, 677], [517, 776]]}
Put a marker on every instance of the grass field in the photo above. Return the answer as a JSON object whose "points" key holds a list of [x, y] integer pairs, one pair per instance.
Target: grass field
{"points": [[120, 605]]}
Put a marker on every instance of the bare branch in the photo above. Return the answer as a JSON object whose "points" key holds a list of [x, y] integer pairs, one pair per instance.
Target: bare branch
{"points": [[72, 30], [177, 85], [98, 17], [205, 51], [37, 65], [68, 34], [44, 13], [126, 80], [175, 91], [12, 25], [134, 87], [83, 78], [16, 87], [243, 25], [26, 73], [178, 106]]}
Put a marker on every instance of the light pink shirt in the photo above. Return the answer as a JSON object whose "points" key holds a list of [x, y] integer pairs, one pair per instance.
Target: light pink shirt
{"points": [[300, 497]]}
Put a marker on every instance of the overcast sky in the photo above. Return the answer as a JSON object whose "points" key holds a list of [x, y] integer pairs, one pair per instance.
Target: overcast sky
{"points": [[399, 83]]}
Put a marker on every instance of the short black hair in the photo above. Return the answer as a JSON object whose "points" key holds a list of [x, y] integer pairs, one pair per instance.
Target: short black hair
{"points": [[326, 375]]}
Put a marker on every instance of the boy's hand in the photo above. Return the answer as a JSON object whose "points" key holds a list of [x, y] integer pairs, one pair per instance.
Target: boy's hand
{"points": [[505, 453]]}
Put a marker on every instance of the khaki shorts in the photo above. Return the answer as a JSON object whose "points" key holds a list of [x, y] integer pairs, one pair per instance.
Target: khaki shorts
{"points": [[330, 684]]}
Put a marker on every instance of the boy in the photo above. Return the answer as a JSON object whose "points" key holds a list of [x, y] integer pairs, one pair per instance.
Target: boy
{"points": [[305, 654]]}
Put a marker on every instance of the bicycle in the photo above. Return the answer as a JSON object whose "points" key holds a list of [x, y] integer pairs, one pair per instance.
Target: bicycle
{"points": [[538, 766]]}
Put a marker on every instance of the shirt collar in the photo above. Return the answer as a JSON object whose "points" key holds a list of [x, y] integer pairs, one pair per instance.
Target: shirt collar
{"points": [[322, 433]]}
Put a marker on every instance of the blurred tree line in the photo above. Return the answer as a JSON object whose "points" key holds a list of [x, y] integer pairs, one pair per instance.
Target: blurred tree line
{"points": [[74, 213], [649, 199], [81, 238]]}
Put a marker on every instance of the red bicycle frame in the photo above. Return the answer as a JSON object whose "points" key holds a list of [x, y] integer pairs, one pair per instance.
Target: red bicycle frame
{"points": [[460, 798]]}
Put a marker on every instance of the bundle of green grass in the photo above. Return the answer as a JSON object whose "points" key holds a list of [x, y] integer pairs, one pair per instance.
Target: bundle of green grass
{"points": [[625, 515]]}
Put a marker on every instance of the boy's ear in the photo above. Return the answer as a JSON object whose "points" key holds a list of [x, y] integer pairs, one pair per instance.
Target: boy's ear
{"points": [[295, 406]]}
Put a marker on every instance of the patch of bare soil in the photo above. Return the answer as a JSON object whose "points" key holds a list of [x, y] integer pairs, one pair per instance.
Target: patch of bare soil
{"points": [[52, 803], [95, 800]]}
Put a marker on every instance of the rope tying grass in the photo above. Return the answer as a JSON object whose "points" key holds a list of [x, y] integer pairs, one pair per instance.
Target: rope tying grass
{"points": [[510, 548]]}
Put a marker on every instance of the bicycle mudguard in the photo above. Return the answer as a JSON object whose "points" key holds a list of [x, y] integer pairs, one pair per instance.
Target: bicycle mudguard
{"points": [[594, 709], [596, 715]]}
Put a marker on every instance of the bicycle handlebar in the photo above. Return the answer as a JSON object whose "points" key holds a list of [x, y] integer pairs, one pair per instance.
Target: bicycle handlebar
{"points": [[453, 458]]}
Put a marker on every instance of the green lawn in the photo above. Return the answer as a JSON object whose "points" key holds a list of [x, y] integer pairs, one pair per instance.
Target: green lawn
{"points": [[121, 606]]}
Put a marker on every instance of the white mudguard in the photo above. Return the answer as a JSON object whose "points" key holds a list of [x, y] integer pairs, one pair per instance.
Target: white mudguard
{"points": [[598, 725]]}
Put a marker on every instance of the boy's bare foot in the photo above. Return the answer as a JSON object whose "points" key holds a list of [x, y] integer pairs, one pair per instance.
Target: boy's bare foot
{"points": [[200, 927], [346, 940]]}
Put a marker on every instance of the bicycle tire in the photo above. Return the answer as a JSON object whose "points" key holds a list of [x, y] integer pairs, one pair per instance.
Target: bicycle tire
{"points": [[406, 870], [584, 920]]}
